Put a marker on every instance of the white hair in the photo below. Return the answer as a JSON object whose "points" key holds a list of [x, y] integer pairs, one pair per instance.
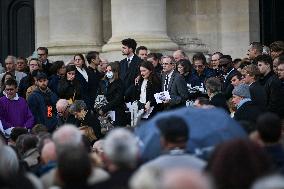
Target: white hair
{"points": [[9, 163], [67, 135], [121, 147], [13, 58], [62, 103]]}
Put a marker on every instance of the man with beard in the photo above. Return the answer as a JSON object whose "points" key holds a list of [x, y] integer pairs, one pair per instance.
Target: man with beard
{"points": [[129, 67], [42, 103]]}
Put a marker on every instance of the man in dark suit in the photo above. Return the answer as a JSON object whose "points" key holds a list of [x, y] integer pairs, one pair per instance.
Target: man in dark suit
{"points": [[173, 82], [257, 92], [129, 67], [42, 53], [227, 68]]}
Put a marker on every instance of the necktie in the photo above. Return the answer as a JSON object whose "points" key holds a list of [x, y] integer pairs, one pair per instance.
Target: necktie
{"points": [[166, 83], [128, 62]]}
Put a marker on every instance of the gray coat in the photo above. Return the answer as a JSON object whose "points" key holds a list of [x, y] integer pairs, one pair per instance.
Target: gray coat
{"points": [[177, 89]]}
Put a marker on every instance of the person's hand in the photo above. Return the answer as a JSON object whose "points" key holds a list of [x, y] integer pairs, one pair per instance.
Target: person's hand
{"points": [[147, 106], [101, 112], [137, 79], [166, 101]]}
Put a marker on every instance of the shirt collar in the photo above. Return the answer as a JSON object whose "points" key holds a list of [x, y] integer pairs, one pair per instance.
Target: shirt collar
{"points": [[15, 98], [130, 58]]}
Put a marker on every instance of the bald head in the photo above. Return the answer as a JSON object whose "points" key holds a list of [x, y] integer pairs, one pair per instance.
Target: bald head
{"points": [[48, 152], [62, 103], [182, 178]]}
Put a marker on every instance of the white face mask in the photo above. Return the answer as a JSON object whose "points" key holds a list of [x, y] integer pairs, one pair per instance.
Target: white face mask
{"points": [[109, 75]]}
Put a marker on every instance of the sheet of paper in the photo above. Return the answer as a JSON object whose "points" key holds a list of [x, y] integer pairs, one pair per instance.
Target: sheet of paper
{"points": [[162, 96]]}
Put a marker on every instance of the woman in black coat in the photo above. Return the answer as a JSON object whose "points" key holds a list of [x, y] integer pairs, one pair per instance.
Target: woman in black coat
{"points": [[114, 95], [69, 87], [147, 85]]}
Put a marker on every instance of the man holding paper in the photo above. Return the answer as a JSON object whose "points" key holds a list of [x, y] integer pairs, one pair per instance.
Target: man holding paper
{"points": [[173, 84]]}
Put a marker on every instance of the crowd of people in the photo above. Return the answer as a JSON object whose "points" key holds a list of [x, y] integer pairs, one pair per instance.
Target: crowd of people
{"points": [[71, 124]]}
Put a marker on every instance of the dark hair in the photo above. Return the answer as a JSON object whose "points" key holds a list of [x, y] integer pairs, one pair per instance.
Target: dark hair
{"points": [[213, 84], [43, 49], [141, 48], [236, 164], [238, 74], [173, 129], [244, 63], [269, 127], [91, 55], [56, 66], [22, 58], [130, 43], [153, 78], [227, 57], [12, 82], [186, 64], [219, 53], [29, 141], [82, 57], [203, 100], [258, 46], [237, 60], [74, 166], [16, 132], [264, 58], [277, 46], [199, 56], [70, 68], [115, 69], [153, 55], [4, 76]]}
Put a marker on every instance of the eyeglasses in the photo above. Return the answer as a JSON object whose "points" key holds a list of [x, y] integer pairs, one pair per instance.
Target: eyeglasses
{"points": [[166, 63], [198, 66]]}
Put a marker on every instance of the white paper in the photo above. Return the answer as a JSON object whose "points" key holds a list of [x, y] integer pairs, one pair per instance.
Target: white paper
{"points": [[162, 96], [148, 113], [112, 115]]}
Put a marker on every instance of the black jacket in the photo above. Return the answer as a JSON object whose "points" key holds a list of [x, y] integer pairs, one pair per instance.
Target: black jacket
{"points": [[219, 100], [258, 94], [272, 86], [114, 96], [128, 75]]}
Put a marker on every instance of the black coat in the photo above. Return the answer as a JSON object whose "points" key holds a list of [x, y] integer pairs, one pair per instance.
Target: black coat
{"points": [[128, 75], [227, 87], [93, 84], [85, 88], [248, 112], [258, 94], [272, 86], [114, 96], [69, 89], [152, 88], [219, 100]]}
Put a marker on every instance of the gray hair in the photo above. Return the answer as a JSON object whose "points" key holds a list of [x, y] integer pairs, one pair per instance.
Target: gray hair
{"points": [[62, 103], [77, 106], [121, 147], [9, 163], [269, 182], [213, 85], [67, 135], [14, 59]]}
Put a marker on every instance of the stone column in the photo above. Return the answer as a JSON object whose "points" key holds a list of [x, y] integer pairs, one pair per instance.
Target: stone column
{"points": [[41, 23], [74, 26], [144, 21]]}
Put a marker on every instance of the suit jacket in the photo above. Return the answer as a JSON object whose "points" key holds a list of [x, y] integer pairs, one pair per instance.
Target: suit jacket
{"points": [[227, 86], [248, 112], [128, 75], [219, 100], [258, 94], [177, 89]]}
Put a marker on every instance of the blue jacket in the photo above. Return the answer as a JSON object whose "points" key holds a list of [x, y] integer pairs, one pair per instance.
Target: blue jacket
{"points": [[43, 108]]}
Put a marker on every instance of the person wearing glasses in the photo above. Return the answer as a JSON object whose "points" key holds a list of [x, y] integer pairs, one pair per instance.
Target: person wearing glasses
{"points": [[174, 83], [45, 64], [63, 114], [21, 116], [201, 70]]}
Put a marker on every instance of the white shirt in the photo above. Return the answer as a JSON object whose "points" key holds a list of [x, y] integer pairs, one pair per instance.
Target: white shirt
{"points": [[83, 72], [169, 78], [143, 91]]}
